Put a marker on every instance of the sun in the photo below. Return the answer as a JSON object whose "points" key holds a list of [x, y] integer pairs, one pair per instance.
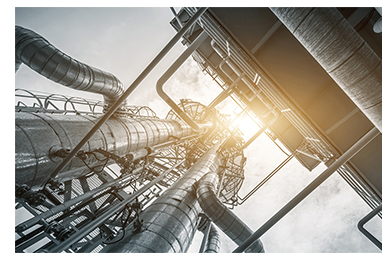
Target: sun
{"points": [[248, 125]]}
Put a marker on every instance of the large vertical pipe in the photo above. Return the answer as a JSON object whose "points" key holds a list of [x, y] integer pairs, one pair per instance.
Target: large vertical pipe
{"points": [[342, 52], [37, 134], [213, 241], [308, 189], [171, 221], [224, 218]]}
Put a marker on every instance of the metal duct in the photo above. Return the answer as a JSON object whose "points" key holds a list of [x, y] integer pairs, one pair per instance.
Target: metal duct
{"points": [[37, 134], [224, 218], [213, 242], [345, 56], [41, 56], [170, 223]]}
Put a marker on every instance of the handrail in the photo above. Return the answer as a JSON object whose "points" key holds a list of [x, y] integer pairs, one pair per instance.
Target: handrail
{"points": [[171, 70], [363, 221]]}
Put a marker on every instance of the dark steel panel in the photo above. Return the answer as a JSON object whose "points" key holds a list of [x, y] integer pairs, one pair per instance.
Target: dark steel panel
{"points": [[248, 24]]}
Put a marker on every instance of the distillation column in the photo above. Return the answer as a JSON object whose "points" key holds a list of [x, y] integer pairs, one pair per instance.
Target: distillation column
{"points": [[40, 136]]}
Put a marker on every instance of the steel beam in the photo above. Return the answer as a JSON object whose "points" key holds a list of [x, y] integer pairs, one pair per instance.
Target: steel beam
{"points": [[311, 187]]}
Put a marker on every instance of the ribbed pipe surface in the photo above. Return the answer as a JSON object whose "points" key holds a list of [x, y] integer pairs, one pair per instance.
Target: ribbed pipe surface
{"points": [[213, 241], [345, 56], [224, 218], [41, 56], [36, 134], [169, 224]]}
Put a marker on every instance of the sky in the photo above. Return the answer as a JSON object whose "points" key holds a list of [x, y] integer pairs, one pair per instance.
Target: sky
{"points": [[123, 41]]}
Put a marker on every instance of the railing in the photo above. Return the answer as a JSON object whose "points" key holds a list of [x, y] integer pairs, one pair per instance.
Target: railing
{"points": [[26, 101]]}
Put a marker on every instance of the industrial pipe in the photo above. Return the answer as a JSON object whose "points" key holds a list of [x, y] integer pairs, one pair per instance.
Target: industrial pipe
{"points": [[224, 218], [364, 220], [171, 70], [352, 151], [213, 241], [129, 90], [259, 132], [170, 222], [342, 52], [41, 56], [222, 96], [236, 70], [36, 134], [377, 28]]}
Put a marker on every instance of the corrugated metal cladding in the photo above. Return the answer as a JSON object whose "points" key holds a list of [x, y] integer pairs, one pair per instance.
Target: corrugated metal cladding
{"points": [[36, 134]]}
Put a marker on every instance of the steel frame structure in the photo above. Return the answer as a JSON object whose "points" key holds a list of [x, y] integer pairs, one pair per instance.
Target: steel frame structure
{"points": [[114, 202]]}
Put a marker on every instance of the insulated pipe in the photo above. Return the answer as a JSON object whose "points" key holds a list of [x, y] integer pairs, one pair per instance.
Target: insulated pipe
{"points": [[41, 56], [171, 70], [170, 222], [129, 90], [213, 241], [36, 134], [224, 218], [308, 189], [377, 28], [342, 52]]}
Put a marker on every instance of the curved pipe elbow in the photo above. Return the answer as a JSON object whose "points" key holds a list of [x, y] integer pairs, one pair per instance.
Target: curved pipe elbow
{"points": [[41, 56], [172, 104], [171, 70], [224, 218]]}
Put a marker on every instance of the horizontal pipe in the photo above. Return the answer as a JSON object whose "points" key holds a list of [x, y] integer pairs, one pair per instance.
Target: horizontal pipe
{"points": [[352, 151], [171, 70], [342, 52], [130, 89], [44, 58]]}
